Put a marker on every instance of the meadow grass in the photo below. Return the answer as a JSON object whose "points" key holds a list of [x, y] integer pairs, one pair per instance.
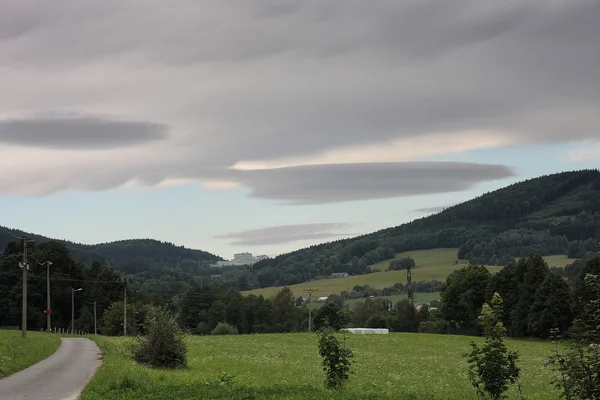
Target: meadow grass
{"points": [[433, 264], [288, 366], [17, 353]]}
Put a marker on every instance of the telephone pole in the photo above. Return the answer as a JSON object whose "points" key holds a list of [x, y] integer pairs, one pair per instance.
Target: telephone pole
{"points": [[48, 309], [310, 292], [95, 325], [25, 267], [73, 308]]}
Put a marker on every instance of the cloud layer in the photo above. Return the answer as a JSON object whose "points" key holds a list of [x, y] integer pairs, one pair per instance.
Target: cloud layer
{"points": [[288, 91], [286, 234], [78, 132]]}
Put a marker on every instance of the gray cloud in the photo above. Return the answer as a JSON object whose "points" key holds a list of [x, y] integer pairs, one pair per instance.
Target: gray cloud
{"points": [[78, 132], [259, 79], [286, 234], [318, 184]]}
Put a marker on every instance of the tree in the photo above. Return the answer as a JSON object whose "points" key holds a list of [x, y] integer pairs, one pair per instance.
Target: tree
{"points": [[551, 308], [492, 366], [331, 315], [401, 264], [463, 294], [336, 357]]}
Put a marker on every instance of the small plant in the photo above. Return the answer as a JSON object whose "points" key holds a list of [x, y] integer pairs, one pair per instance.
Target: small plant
{"points": [[492, 366], [163, 346], [223, 328], [336, 357]]}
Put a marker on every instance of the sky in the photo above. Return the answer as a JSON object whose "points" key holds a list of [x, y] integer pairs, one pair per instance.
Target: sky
{"points": [[270, 125]]}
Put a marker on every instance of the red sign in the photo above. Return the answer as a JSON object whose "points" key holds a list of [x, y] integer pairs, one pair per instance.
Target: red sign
{"points": [[47, 311]]}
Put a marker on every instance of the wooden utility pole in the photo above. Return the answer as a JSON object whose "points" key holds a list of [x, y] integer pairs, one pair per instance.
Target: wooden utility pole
{"points": [[48, 309], [125, 309], [25, 267], [95, 325], [310, 292]]}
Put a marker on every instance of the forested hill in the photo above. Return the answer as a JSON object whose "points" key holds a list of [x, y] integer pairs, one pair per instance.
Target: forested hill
{"points": [[151, 258], [553, 214]]}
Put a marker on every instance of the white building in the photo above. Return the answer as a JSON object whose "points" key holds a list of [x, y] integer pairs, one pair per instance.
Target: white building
{"points": [[240, 259]]}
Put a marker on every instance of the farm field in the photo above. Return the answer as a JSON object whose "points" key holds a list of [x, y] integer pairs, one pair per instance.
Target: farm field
{"points": [[431, 264], [17, 353], [287, 366]]}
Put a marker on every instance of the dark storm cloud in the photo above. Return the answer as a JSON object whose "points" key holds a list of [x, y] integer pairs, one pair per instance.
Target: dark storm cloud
{"points": [[286, 234], [320, 184], [79, 132]]}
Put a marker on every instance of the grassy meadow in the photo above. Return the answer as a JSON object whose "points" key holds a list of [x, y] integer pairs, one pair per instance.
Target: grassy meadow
{"points": [[17, 353], [288, 366], [431, 264]]}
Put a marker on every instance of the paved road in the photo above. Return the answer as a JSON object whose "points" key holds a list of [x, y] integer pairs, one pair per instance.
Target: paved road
{"points": [[61, 376]]}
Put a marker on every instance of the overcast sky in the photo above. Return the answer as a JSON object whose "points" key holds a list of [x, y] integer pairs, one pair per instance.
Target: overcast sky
{"points": [[270, 125]]}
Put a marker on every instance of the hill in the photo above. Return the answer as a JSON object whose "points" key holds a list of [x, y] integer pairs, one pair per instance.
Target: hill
{"points": [[144, 259], [433, 264], [555, 214]]}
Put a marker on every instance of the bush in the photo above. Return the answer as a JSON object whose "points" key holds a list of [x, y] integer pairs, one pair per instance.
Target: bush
{"points": [[336, 357], [223, 328], [203, 328], [163, 346]]}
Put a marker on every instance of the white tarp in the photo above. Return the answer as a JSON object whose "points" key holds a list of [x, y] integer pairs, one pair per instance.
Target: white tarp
{"points": [[367, 331]]}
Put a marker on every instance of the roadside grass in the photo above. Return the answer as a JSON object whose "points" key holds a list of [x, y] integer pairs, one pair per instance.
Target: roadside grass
{"points": [[434, 264], [288, 366], [17, 353]]}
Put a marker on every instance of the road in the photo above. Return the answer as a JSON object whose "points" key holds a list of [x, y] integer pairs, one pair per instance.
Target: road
{"points": [[61, 376]]}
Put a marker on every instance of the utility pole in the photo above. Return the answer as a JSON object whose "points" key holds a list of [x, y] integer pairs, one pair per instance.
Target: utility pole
{"points": [[25, 267], [95, 326], [73, 308], [310, 292], [48, 309], [125, 309]]}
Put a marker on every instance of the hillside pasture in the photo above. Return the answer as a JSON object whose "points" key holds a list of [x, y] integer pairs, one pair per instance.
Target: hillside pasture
{"points": [[433, 264], [288, 366]]}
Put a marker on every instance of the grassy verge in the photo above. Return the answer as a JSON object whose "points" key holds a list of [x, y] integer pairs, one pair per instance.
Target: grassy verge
{"points": [[17, 353], [287, 366]]}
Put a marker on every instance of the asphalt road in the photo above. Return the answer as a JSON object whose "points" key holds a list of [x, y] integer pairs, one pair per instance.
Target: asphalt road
{"points": [[61, 376]]}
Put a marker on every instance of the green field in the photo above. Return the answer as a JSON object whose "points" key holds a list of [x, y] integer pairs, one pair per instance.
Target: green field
{"points": [[287, 366], [431, 264], [17, 353]]}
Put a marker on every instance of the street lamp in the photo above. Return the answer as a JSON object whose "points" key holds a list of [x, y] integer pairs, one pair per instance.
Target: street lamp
{"points": [[73, 308]]}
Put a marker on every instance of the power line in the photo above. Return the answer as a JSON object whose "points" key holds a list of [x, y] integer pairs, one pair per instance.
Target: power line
{"points": [[7, 231]]}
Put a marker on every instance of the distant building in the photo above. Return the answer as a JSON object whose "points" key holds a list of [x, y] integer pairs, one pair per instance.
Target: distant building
{"points": [[323, 298], [240, 259], [339, 274]]}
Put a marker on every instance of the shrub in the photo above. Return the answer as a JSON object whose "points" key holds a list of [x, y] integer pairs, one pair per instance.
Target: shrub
{"points": [[336, 357], [163, 346], [223, 328], [203, 328], [492, 366]]}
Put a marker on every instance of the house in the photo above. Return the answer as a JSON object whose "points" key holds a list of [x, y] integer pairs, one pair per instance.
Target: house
{"points": [[339, 274], [323, 298]]}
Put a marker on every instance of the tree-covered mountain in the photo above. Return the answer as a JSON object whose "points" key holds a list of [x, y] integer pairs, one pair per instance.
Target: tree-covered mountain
{"points": [[155, 266], [552, 214]]}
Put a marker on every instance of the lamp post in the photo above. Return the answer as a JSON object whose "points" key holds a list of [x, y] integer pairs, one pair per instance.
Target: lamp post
{"points": [[73, 308]]}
